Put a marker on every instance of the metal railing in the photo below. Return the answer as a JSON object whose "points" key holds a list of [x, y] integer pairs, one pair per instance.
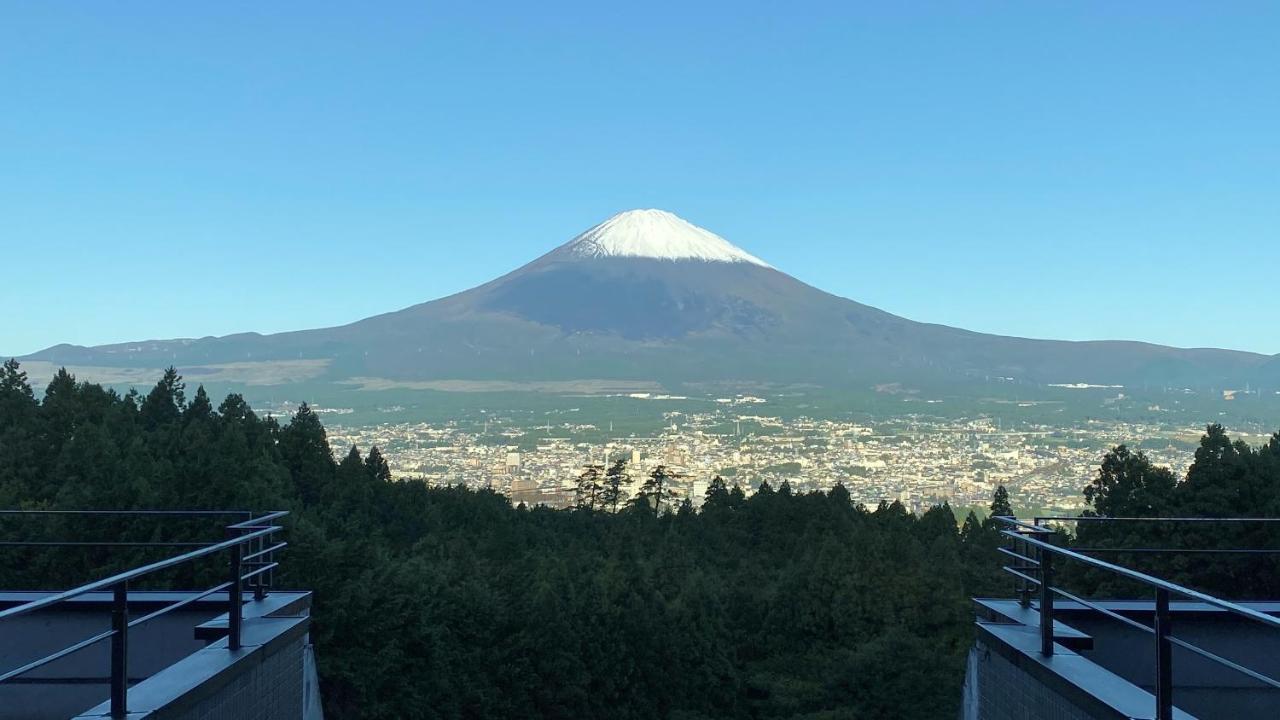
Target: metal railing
{"points": [[1035, 555], [250, 545]]}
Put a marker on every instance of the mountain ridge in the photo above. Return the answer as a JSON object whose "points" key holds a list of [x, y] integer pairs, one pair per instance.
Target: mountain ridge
{"points": [[647, 295]]}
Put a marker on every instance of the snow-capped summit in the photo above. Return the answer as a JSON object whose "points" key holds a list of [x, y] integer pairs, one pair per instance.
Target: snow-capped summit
{"points": [[655, 234]]}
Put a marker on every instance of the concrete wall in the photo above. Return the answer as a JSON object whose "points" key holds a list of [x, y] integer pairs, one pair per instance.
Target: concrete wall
{"points": [[997, 689], [270, 690], [265, 679]]}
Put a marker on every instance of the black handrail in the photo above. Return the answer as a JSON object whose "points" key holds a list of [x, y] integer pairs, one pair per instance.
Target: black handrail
{"points": [[1177, 551], [1106, 519], [258, 522], [126, 576], [251, 533], [1035, 557], [188, 513], [1150, 580], [91, 543]]}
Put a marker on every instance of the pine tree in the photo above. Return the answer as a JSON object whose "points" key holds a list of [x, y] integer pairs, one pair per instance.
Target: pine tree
{"points": [[685, 510], [235, 408], [199, 409], [999, 507], [937, 521], [614, 478], [657, 489], [970, 531], [590, 487], [736, 496], [352, 466], [304, 447], [377, 465], [165, 403], [21, 459], [840, 495], [351, 496], [1000, 503], [18, 404], [61, 406], [717, 495], [13, 381]]}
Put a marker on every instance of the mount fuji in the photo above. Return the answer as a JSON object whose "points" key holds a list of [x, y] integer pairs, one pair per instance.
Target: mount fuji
{"points": [[647, 296]]}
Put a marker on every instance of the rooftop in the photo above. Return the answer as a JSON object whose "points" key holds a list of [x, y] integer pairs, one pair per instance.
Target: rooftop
{"points": [[1156, 649], [109, 648]]}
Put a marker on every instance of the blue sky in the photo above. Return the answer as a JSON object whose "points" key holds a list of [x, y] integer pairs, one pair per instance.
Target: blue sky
{"points": [[1050, 169]]}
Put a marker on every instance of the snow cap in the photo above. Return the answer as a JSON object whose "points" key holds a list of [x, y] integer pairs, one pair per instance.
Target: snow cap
{"points": [[655, 234]]}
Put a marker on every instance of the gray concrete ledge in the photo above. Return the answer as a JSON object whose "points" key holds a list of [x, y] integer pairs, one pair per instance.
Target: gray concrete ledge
{"points": [[181, 687], [1096, 691]]}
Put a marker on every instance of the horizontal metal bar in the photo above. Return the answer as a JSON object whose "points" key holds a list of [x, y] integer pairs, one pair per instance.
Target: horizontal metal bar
{"points": [[100, 544], [181, 603], [1223, 661], [58, 655], [260, 553], [1146, 579], [190, 513], [1016, 554], [1114, 615], [253, 523], [1177, 551], [260, 570], [70, 681], [1099, 518], [136, 573], [1014, 571], [1023, 524]]}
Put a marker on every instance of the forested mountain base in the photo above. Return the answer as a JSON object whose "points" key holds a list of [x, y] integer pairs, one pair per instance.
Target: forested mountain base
{"points": [[450, 603]]}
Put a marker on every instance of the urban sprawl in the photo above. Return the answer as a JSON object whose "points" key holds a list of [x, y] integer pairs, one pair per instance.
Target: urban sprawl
{"points": [[916, 460]]}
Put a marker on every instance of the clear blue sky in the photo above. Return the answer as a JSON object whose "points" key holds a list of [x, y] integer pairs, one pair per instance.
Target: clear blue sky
{"points": [[1054, 169]]}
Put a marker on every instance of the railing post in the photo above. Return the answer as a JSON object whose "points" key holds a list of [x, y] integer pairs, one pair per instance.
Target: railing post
{"points": [[1046, 602], [1023, 587], [259, 589], [269, 577], [120, 650], [234, 606], [1164, 658]]}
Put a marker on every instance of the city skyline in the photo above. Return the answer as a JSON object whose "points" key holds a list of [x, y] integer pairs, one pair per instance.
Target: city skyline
{"points": [[920, 461]]}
